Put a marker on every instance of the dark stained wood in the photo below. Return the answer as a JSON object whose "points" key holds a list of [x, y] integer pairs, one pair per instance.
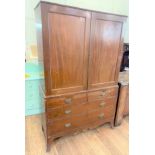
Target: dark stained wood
{"points": [[80, 108], [77, 121], [39, 34], [66, 124], [105, 45], [66, 56], [123, 98], [66, 111], [38, 27], [68, 61], [80, 51], [101, 114], [66, 100], [46, 56], [41, 58]]}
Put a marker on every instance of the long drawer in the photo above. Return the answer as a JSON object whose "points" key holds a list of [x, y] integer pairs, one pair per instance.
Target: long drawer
{"points": [[66, 111], [67, 124]]}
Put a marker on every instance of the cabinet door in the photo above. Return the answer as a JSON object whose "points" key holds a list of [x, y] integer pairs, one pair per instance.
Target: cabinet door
{"points": [[105, 45], [68, 42]]}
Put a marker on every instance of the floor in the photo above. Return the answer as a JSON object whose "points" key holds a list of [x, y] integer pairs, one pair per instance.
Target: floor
{"points": [[100, 141]]}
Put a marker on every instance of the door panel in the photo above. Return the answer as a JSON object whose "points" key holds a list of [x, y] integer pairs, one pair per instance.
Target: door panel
{"points": [[68, 46], [104, 51]]}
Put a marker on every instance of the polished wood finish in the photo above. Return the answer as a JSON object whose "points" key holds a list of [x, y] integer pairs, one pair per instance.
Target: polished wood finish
{"points": [[104, 45], [66, 124], [66, 100], [38, 21], [66, 56], [66, 111], [69, 59], [101, 114], [81, 51], [100, 141], [123, 98]]}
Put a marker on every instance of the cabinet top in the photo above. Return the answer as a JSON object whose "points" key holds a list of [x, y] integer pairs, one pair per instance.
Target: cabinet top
{"points": [[51, 3]]}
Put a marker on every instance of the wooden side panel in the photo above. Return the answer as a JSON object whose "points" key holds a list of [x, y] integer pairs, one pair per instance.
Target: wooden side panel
{"points": [[41, 85], [105, 49], [126, 108], [38, 25], [122, 105]]}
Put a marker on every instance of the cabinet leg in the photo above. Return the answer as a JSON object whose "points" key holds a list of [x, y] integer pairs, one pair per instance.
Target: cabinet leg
{"points": [[42, 128], [117, 123], [48, 144], [48, 147], [118, 120], [112, 124]]}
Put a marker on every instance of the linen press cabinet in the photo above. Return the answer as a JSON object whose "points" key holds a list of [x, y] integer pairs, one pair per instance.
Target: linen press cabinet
{"points": [[80, 51]]}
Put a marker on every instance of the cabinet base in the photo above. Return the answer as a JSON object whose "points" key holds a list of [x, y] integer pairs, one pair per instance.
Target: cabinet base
{"points": [[77, 131]]}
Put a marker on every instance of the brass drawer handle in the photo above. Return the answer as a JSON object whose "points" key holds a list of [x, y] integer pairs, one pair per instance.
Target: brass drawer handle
{"points": [[67, 111], [67, 125], [102, 94], [68, 101], [102, 104], [101, 116]]}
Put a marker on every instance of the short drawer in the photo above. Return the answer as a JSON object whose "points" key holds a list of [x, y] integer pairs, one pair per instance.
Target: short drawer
{"points": [[66, 100], [66, 111], [101, 114], [100, 104], [103, 93], [67, 124]]}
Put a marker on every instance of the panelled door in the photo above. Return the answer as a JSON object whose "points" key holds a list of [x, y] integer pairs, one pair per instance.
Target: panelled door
{"points": [[68, 35], [104, 50]]}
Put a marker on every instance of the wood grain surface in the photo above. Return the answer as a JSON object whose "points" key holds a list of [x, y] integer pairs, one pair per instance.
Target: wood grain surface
{"points": [[81, 51], [104, 50], [123, 98]]}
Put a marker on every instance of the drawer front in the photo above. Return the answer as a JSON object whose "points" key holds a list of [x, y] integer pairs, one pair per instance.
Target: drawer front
{"points": [[101, 114], [66, 111], [101, 104], [67, 124], [66, 100], [101, 94]]}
